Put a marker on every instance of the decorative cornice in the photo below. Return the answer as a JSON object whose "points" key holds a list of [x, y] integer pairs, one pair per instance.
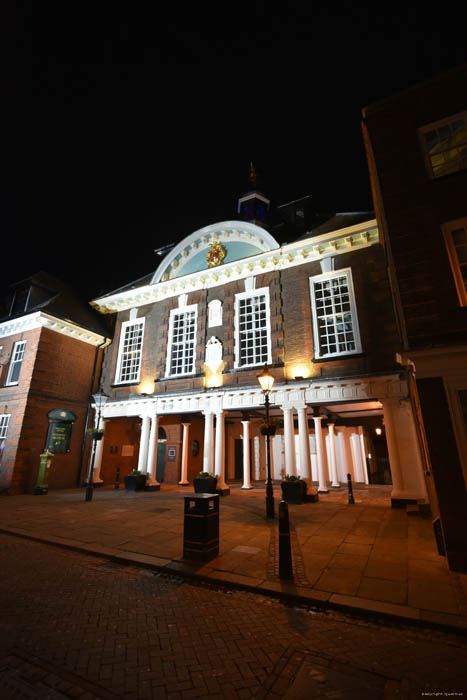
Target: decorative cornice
{"points": [[39, 319], [299, 253], [284, 395]]}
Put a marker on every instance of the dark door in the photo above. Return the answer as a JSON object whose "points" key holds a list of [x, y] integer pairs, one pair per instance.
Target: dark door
{"points": [[160, 465]]}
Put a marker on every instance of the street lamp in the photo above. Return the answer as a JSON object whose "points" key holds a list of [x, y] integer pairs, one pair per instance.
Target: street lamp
{"points": [[100, 399], [266, 380]]}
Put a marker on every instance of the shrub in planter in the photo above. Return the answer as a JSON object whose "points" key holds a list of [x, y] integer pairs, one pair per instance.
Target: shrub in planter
{"points": [[205, 483], [293, 489], [270, 426], [135, 481]]}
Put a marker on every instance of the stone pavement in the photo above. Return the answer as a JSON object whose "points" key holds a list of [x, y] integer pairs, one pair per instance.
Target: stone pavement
{"points": [[362, 557], [78, 626]]}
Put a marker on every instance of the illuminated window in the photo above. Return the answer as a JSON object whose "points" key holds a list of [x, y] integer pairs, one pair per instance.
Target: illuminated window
{"points": [[130, 352], [252, 328], [445, 145], [455, 236], [16, 361], [335, 320], [182, 341], [4, 420]]}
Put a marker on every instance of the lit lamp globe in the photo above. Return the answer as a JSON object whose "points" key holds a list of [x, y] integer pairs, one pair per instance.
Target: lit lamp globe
{"points": [[266, 380]]}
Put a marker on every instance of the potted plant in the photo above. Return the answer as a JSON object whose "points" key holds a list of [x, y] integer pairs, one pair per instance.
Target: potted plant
{"points": [[205, 483], [135, 481], [96, 433], [270, 425], [293, 489]]}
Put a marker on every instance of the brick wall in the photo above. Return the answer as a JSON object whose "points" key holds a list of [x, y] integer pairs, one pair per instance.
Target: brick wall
{"points": [[56, 373], [291, 328], [415, 206]]}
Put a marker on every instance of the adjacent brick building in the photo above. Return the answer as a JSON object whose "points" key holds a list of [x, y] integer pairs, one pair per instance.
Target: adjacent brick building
{"points": [[51, 347], [416, 144]]}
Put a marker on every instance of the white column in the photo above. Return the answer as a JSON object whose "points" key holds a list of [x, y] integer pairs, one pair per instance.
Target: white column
{"points": [[96, 474], [143, 444], [392, 443], [246, 455], [333, 457], [152, 452], [256, 452], [362, 447], [184, 469], [305, 461], [322, 486], [341, 449], [208, 442], [289, 442], [219, 452]]}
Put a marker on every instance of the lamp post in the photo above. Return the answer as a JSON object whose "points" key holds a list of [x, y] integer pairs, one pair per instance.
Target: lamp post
{"points": [[100, 399], [266, 380]]}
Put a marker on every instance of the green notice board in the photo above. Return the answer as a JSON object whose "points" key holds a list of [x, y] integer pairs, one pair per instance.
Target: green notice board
{"points": [[59, 432]]}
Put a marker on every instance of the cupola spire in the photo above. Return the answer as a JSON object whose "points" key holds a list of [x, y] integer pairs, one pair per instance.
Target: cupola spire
{"points": [[254, 206]]}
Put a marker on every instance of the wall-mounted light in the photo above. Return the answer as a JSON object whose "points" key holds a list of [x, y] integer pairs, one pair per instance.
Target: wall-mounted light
{"points": [[378, 431]]}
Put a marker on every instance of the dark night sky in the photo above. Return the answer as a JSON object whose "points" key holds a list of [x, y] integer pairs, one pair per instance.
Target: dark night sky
{"points": [[129, 128]]}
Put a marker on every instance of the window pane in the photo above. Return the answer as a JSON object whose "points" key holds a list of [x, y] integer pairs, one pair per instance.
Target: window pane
{"points": [[334, 320], [182, 352], [252, 323], [131, 352]]}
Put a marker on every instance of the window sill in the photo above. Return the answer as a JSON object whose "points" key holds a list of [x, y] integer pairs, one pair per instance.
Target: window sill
{"points": [[171, 377], [249, 368], [123, 384], [12, 384], [333, 358]]}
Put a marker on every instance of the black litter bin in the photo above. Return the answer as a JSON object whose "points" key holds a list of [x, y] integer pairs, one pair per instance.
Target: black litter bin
{"points": [[201, 526]]}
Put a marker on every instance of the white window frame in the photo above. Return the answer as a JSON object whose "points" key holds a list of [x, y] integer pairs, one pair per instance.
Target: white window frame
{"points": [[179, 311], [433, 127], [125, 325], [245, 295], [4, 422], [14, 361], [456, 265], [346, 272]]}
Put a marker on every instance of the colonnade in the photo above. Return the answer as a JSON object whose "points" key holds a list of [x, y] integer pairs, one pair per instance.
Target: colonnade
{"points": [[346, 452], [214, 450]]}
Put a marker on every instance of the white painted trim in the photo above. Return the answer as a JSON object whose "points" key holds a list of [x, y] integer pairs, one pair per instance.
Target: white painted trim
{"points": [[125, 324], [215, 232], [178, 311], [283, 395], [39, 319], [301, 252], [345, 272], [247, 295], [14, 362]]}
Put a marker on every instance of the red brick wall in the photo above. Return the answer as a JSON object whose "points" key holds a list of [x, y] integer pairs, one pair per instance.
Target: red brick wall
{"points": [[56, 373]]}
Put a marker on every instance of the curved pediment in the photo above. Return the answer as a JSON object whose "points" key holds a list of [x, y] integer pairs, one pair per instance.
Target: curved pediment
{"points": [[238, 240]]}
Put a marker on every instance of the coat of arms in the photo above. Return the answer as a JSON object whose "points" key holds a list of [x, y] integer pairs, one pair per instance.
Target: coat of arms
{"points": [[216, 254]]}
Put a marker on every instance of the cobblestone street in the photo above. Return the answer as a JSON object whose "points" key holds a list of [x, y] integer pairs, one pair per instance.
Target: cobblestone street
{"points": [[80, 626]]}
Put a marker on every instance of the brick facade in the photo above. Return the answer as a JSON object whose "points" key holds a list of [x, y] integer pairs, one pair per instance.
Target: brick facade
{"points": [[55, 374]]}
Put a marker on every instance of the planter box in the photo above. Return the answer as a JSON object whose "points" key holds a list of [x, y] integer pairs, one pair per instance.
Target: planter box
{"points": [[294, 492], [268, 431], [136, 482], [205, 485]]}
